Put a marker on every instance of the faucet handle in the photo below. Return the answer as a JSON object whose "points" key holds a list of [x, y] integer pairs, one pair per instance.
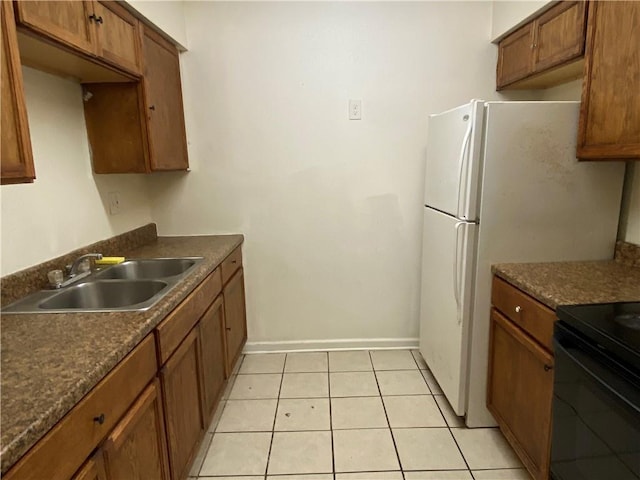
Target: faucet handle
{"points": [[55, 278]]}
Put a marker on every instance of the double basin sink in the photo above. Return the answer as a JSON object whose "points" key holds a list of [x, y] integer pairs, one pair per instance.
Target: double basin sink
{"points": [[133, 285]]}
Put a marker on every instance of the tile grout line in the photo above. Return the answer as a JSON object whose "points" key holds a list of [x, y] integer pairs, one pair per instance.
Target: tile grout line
{"points": [[275, 417], [445, 418], [384, 407], [333, 455], [232, 377]]}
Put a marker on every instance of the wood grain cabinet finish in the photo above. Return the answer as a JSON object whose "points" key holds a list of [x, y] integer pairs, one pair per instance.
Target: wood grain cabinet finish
{"points": [[139, 127], [117, 36], [235, 317], [70, 442], [212, 349], [520, 393], [16, 156], [163, 102], [71, 23], [555, 38], [136, 449], [101, 29], [182, 404], [609, 127], [93, 469], [514, 56], [520, 378]]}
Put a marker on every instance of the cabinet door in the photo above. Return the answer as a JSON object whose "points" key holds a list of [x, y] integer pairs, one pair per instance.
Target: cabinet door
{"points": [[163, 97], [17, 158], [212, 344], [136, 448], [182, 404], [69, 22], [520, 391], [93, 469], [235, 317], [560, 34], [609, 125], [118, 36], [515, 56]]}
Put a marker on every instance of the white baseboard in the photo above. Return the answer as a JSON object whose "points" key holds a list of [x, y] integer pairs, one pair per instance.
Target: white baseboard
{"points": [[324, 345]]}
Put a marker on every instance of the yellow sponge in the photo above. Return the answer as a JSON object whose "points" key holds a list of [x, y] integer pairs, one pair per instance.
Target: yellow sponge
{"points": [[110, 260]]}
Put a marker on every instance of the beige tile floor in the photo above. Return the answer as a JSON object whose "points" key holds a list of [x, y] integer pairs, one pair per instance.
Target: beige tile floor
{"points": [[348, 415]]}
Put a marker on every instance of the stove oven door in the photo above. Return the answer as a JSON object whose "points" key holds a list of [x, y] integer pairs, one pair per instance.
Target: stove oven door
{"points": [[596, 414]]}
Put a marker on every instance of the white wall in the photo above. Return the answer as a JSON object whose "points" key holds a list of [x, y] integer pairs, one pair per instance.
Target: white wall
{"points": [[331, 208], [508, 14], [630, 213], [167, 15], [65, 208]]}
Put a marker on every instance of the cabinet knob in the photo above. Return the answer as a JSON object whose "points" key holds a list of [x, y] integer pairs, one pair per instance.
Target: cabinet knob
{"points": [[547, 368], [99, 419], [95, 18], [152, 107], [233, 262], [518, 309], [228, 329]]}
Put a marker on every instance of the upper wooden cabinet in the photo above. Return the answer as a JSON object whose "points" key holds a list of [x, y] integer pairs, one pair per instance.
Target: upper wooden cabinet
{"points": [[609, 127], [537, 50], [70, 23], [163, 102], [117, 32], [17, 158], [139, 128], [514, 56], [102, 29]]}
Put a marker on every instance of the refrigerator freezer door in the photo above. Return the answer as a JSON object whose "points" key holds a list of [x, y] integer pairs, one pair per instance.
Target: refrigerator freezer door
{"points": [[452, 160], [447, 272]]}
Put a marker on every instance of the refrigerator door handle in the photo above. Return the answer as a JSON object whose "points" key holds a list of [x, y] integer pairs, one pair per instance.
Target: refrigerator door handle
{"points": [[456, 282], [461, 163]]}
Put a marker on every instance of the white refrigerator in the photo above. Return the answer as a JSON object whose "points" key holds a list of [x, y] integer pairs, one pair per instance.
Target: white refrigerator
{"points": [[502, 185]]}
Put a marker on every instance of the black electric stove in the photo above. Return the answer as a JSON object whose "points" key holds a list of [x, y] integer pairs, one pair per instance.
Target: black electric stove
{"points": [[596, 393], [612, 327]]}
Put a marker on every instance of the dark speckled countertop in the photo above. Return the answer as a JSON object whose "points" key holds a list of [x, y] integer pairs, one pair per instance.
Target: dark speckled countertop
{"points": [[571, 283], [50, 361]]}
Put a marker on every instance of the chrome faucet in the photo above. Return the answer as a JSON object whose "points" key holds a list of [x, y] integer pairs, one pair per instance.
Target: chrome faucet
{"points": [[73, 271]]}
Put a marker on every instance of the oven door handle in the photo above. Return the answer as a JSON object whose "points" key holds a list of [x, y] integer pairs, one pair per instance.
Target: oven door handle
{"points": [[574, 357]]}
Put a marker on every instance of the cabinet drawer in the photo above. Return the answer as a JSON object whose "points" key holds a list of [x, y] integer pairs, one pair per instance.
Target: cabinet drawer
{"points": [[230, 264], [173, 329], [533, 317], [79, 432]]}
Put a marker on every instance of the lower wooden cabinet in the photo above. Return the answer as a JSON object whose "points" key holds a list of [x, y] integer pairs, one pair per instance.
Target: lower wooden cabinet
{"points": [[213, 357], [235, 317], [93, 469], [136, 449], [138, 423], [520, 392], [183, 414]]}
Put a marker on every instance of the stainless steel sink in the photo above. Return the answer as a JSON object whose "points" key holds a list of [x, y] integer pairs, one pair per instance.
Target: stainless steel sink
{"points": [[150, 268], [133, 285], [105, 295]]}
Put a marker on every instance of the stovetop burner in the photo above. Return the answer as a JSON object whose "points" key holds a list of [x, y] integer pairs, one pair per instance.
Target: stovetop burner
{"points": [[628, 320], [614, 327]]}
